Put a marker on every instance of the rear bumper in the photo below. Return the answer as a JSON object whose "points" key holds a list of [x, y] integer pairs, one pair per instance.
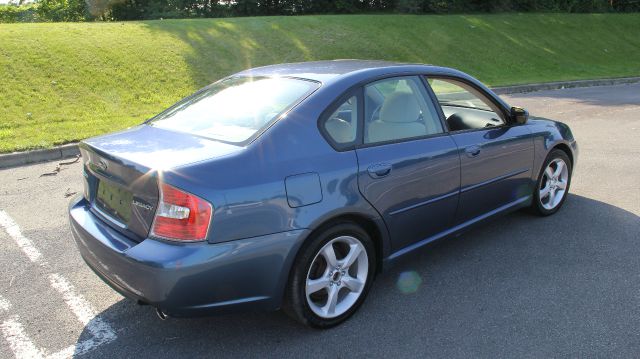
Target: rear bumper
{"points": [[187, 279]]}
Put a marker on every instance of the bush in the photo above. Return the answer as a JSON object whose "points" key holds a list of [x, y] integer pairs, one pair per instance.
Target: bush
{"points": [[22, 13], [62, 10], [79, 10], [46, 10]]}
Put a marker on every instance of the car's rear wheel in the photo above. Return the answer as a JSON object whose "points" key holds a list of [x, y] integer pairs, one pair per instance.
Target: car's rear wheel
{"points": [[331, 276], [553, 183]]}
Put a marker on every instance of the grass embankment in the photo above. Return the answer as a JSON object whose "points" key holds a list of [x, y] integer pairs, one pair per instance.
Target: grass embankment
{"points": [[61, 82]]}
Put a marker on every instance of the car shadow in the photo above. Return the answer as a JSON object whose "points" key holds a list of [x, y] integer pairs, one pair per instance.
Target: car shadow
{"points": [[547, 285]]}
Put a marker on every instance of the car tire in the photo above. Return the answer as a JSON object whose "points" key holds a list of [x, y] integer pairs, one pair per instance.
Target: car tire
{"points": [[346, 278], [552, 186]]}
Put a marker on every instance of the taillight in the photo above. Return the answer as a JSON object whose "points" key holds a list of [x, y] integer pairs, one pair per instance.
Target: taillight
{"points": [[181, 216]]}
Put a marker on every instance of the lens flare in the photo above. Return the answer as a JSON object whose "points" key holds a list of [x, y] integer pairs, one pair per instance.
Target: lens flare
{"points": [[409, 282]]}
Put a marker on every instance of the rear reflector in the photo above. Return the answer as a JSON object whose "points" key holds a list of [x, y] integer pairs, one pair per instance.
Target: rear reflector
{"points": [[181, 216]]}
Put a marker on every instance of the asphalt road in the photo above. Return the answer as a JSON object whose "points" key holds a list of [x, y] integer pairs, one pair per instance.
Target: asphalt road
{"points": [[520, 286]]}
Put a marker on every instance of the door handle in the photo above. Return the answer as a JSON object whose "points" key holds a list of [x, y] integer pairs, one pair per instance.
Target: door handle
{"points": [[472, 151], [379, 170]]}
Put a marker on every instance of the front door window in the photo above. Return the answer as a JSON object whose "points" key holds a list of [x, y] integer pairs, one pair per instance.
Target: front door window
{"points": [[464, 107]]}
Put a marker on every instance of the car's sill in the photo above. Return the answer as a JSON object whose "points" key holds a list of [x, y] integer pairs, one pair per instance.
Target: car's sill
{"points": [[457, 228]]}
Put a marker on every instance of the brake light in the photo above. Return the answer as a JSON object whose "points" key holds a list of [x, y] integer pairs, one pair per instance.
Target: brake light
{"points": [[181, 216]]}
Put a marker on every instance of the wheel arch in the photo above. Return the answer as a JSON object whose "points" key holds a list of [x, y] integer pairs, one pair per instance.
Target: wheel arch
{"points": [[367, 223], [374, 226], [566, 149]]}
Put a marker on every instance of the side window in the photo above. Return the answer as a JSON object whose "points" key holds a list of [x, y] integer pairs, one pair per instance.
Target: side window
{"points": [[464, 107], [342, 124], [398, 108]]}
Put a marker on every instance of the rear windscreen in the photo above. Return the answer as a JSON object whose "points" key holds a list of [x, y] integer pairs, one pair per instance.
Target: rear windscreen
{"points": [[235, 109]]}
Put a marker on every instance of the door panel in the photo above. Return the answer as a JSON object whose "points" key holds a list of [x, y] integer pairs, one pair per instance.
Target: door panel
{"points": [[414, 185], [496, 158], [496, 167], [410, 168]]}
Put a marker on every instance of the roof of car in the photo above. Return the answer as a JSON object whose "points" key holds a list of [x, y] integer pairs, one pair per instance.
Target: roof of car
{"points": [[338, 76], [322, 70]]}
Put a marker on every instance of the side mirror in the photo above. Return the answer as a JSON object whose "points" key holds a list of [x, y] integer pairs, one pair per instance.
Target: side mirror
{"points": [[519, 115]]}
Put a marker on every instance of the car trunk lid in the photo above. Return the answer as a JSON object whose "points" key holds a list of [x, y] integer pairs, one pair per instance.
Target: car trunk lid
{"points": [[121, 172]]}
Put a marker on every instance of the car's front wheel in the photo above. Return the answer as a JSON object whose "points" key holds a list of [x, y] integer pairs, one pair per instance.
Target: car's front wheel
{"points": [[331, 276], [553, 183]]}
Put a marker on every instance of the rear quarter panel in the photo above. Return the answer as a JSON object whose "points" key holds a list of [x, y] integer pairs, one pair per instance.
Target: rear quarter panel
{"points": [[248, 190]]}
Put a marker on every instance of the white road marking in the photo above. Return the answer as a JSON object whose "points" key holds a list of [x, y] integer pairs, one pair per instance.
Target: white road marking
{"points": [[18, 340], [23, 242], [67, 352], [80, 348], [100, 330], [4, 304], [23, 346], [13, 331]]}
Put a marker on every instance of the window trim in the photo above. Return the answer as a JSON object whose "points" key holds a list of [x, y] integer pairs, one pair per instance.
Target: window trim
{"points": [[358, 88], [406, 139], [325, 116], [436, 103], [506, 118]]}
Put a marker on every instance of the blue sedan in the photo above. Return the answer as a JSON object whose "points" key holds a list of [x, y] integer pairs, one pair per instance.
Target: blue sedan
{"points": [[291, 186]]}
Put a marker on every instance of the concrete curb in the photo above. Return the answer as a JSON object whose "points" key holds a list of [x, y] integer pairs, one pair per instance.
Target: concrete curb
{"points": [[16, 159], [505, 90]]}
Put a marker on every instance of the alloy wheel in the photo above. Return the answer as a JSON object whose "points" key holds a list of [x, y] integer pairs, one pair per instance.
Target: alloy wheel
{"points": [[337, 277], [553, 186]]}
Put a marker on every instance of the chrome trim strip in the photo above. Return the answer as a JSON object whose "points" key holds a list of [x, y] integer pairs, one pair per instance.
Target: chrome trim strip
{"points": [[424, 203], [108, 217], [500, 178]]}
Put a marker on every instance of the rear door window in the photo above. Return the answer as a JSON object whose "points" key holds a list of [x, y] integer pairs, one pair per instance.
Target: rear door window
{"points": [[398, 109]]}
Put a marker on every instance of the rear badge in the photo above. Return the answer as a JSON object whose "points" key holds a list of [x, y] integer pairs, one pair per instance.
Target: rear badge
{"points": [[148, 207]]}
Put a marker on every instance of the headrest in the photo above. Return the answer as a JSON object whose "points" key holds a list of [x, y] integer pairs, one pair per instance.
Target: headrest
{"points": [[340, 130], [456, 123], [400, 107]]}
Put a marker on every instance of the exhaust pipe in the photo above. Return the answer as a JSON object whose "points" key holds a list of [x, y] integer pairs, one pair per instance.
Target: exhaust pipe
{"points": [[162, 315]]}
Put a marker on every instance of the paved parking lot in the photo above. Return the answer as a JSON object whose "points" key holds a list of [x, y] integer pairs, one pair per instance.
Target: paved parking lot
{"points": [[520, 286]]}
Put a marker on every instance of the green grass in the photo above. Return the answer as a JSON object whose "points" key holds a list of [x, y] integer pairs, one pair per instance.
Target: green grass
{"points": [[63, 82]]}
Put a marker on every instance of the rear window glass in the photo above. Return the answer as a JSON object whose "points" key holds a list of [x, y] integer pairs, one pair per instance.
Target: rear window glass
{"points": [[235, 109]]}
